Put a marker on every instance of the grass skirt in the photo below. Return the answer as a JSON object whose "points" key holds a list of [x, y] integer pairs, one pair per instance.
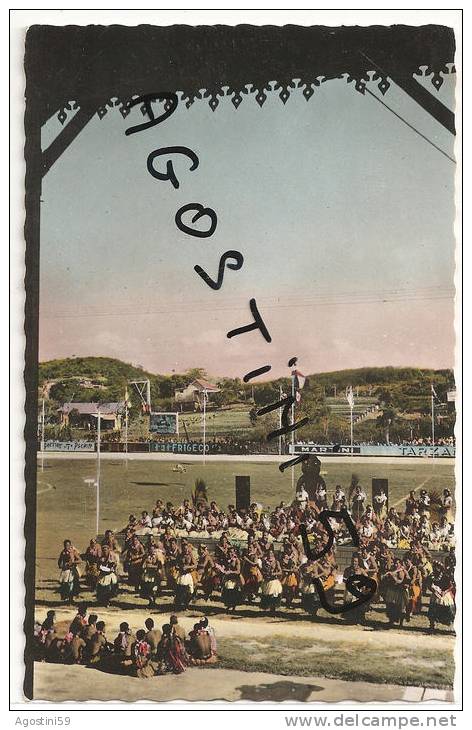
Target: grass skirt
{"points": [[396, 601], [107, 588], [442, 610], [271, 593], [231, 593], [69, 584], [253, 580]]}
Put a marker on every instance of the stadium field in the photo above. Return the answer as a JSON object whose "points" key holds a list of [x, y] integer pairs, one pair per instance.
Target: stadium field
{"points": [[66, 503]]}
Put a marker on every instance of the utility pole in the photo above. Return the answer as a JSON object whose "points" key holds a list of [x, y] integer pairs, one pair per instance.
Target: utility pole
{"points": [[98, 467]]}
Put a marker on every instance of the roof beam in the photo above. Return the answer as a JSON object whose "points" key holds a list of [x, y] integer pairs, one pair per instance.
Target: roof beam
{"points": [[427, 101], [439, 111], [66, 137]]}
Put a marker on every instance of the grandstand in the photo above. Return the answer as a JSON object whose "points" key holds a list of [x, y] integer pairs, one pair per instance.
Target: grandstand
{"points": [[363, 406]]}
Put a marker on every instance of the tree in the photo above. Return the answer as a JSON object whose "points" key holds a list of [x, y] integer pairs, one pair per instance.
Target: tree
{"points": [[199, 493], [230, 391], [74, 417], [196, 374], [253, 416], [265, 394], [385, 397], [385, 421]]}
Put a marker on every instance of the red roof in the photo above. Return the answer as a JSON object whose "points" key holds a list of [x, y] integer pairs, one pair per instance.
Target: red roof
{"points": [[204, 384], [91, 409]]}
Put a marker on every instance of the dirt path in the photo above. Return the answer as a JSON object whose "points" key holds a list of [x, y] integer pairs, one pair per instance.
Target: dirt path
{"points": [[61, 683], [237, 627]]}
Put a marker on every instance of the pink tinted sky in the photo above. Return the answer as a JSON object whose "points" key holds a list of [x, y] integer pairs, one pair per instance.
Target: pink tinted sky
{"points": [[344, 217]]}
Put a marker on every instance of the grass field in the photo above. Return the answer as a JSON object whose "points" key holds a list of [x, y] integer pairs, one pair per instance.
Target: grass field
{"points": [[66, 504], [294, 655], [292, 643]]}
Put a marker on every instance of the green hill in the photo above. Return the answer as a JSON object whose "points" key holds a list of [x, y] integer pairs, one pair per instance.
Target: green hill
{"points": [[70, 378], [104, 379], [403, 392]]}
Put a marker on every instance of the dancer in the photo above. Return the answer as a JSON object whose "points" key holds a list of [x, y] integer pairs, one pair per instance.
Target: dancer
{"points": [[107, 584], [208, 577], [152, 574], [133, 561], [231, 594], [251, 570], [271, 589], [92, 555], [69, 581], [396, 593], [185, 587], [290, 574], [442, 606]]}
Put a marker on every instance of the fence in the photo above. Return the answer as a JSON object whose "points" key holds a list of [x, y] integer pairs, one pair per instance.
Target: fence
{"points": [[182, 448]]}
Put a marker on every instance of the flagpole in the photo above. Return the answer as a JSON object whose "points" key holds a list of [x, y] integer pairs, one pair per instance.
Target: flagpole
{"points": [[126, 424], [352, 435], [98, 468], [126, 428], [293, 432], [432, 417], [42, 437], [350, 400], [280, 422], [204, 425]]}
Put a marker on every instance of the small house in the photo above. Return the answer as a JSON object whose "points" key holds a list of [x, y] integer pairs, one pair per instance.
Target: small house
{"points": [[85, 415], [191, 397]]}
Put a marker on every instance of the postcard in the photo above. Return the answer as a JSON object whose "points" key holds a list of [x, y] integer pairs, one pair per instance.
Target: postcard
{"points": [[240, 364]]}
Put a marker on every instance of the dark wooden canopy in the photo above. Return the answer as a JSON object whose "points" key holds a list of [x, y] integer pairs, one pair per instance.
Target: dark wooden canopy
{"points": [[93, 64]]}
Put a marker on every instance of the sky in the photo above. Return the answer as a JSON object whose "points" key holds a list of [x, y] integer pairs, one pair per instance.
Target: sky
{"points": [[344, 216]]}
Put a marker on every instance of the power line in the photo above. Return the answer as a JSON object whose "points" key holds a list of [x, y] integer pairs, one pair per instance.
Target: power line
{"points": [[326, 302], [283, 296], [410, 125], [321, 295], [242, 304]]}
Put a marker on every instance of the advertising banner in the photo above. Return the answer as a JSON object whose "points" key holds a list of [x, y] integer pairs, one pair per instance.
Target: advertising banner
{"points": [[54, 445], [376, 450], [179, 447], [165, 423]]}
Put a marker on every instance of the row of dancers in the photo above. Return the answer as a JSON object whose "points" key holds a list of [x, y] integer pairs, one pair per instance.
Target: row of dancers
{"points": [[261, 574]]}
